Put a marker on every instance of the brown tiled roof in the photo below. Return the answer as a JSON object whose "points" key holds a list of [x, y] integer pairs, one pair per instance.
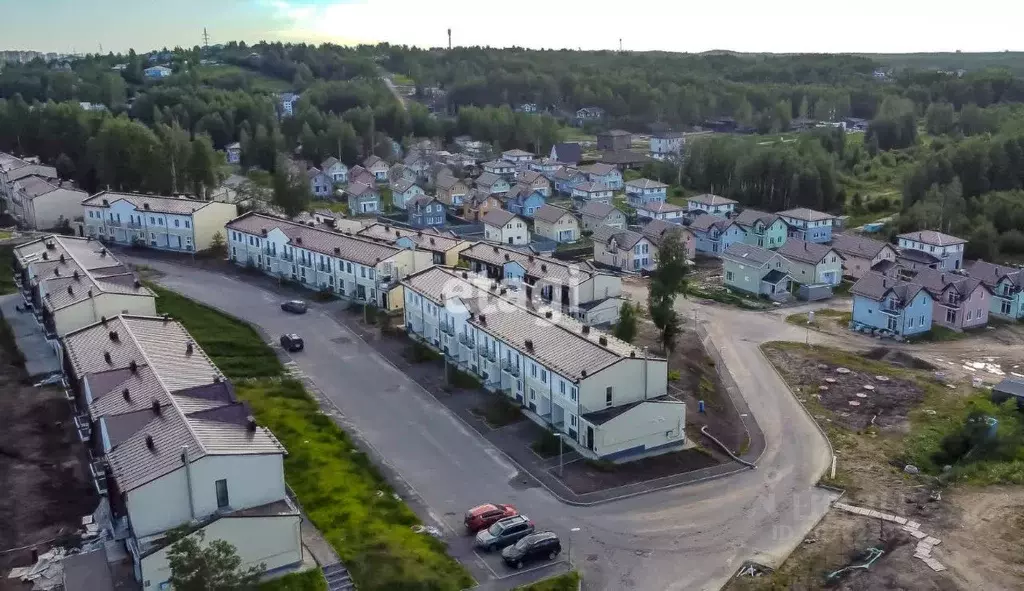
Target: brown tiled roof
{"points": [[426, 240], [497, 217], [320, 240], [158, 204]]}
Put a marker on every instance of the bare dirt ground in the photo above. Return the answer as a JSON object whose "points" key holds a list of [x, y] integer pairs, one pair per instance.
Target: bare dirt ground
{"points": [[698, 381], [981, 537], [42, 478]]}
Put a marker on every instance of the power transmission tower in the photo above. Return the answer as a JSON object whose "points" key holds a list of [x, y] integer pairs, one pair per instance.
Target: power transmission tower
{"points": [[449, 39], [206, 40]]}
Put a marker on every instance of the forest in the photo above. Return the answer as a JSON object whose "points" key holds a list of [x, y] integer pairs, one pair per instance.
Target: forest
{"points": [[942, 147]]}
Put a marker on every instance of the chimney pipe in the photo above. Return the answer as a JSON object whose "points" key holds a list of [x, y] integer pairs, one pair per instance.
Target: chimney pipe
{"points": [[188, 481]]}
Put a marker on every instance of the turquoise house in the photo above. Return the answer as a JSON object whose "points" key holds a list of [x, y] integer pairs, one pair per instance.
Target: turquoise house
{"points": [[766, 230], [1006, 284], [756, 271], [884, 303], [714, 235]]}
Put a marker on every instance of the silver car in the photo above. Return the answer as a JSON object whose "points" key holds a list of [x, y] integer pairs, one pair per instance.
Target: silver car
{"points": [[504, 532]]}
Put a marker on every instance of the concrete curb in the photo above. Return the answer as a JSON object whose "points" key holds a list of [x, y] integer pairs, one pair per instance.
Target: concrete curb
{"points": [[704, 431]]}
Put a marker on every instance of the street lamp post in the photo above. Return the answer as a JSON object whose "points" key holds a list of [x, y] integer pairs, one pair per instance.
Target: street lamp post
{"points": [[560, 464]]}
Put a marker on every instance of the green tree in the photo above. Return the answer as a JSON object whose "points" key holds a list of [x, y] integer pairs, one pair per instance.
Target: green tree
{"points": [[211, 567], [626, 328], [202, 166], [218, 246], [940, 118], [65, 167], [291, 188]]}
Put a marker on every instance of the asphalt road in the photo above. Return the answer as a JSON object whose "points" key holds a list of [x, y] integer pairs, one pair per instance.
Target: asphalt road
{"points": [[693, 537]]}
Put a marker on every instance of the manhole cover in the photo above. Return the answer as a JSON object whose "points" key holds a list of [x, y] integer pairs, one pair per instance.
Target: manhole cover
{"points": [[861, 395], [882, 378], [842, 370], [869, 387], [854, 403]]}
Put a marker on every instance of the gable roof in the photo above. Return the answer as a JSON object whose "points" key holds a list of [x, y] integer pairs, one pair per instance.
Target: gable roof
{"points": [[569, 152], [351, 248], [488, 179], [795, 249], [655, 230], [615, 132], [593, 187], [858, 246], [427, 239], [599, 169], [936, 281], [626, 239], [806, 215], [358, 189], [402, 185], [710, 199], [743, 253], [498, 164], [329, 162], [660, 207], [445, 181], [533, 264], [645, 184], [550, 213], [933, 238], [703, 223], [497, 217], [567, 173], [517, 152], [748, 217], [596, 209], [156, 203], [373, 160], [991, 274], [876, 287], [531, 176]]}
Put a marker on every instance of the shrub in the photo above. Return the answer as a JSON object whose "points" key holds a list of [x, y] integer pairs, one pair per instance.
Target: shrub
{"points": [[673, 375]]}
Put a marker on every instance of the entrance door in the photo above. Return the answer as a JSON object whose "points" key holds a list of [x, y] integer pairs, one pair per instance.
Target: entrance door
{"points": [[590, 437], [892, 324]]}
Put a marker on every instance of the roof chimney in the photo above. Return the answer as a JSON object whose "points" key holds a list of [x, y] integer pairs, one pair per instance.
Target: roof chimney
{"points": [[62, 257], [250, 423], [547, 314], [603, 341], [46, 256], [114, 336], [337, 250], [298, 240], [216, 379], [188, 348], [127, 395], [149, 443], [133, 366], [583, 373], [586, 329], [75, 274], [70, 291], [166, 317], [155, 406], [107, 358], [529, 344]]}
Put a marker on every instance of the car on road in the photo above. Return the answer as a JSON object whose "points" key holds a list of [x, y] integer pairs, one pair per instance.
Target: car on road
{"points": [[484, 516], [295, 306], [541, 546], [292, 343], [504, 532]]}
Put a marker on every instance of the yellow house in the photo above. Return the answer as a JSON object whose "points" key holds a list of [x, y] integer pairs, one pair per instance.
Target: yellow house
{"points": [[166, 223], [556, 223]]}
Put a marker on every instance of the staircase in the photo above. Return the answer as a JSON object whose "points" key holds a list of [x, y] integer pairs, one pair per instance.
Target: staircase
{"points": [[338, 578]]}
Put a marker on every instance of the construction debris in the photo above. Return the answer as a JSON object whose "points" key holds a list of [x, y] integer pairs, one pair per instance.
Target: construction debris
{"points": [[47, 573], [925, 543]]}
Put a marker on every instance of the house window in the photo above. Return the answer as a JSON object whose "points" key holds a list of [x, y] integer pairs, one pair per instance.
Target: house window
{"points": [[533, 370], [176, 223], [544, 376], [222, 493], [572, 394], [728, 275], [572, 420], [608, 396], [187, 224]]}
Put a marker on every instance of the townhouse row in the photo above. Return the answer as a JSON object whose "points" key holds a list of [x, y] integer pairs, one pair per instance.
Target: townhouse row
{"points": [[607, 399]]}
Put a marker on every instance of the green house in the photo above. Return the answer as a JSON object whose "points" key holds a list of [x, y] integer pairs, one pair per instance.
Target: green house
{"points": [[766, 230], [756, 271]]}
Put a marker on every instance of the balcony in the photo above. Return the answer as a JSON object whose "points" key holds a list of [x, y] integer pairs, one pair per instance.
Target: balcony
{"points": [[448, 330], [115, 223], [288, 257], [307, 263], [510, 368], [83, 424], [467, 342], [324, 268], [98, 470], [489, 355]]}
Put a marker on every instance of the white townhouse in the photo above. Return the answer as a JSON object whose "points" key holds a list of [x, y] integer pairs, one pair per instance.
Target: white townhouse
{"points": [[166, 223], [578, 289], [349, 266], [666, 145], [501, 225], [41, 203], [13, 169], [661, 210], [170, 445], [73, 282], [713, 204], [606, 397]]}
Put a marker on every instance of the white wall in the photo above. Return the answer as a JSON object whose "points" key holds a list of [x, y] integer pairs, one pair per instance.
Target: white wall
{"points": [[163, 503], [91, 310], [650, 425], [626, 378], [272, 541]]}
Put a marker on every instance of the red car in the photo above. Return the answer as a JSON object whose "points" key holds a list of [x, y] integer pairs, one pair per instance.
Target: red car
{"points": [[484, 516]]}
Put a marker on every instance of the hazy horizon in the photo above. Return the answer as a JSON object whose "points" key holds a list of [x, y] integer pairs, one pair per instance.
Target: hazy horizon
{"points": [[747, 26]]}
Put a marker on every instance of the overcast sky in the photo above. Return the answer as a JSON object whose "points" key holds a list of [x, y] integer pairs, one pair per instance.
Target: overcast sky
{"points": [[865, 26]]}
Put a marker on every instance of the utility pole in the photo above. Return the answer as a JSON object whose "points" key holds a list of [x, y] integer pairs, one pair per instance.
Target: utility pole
{"points": [[449, 39], [620, 44]]}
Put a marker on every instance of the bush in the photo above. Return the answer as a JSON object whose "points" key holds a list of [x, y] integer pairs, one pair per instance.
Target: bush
{"points": [[461, 379], [546, 445], [310, 580], [500, 412], [324, 294], [673, 375], [568, 582], [420, 353]]}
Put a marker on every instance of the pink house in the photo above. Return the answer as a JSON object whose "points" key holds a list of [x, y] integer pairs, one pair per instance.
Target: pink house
{"points": [[960, 302]]}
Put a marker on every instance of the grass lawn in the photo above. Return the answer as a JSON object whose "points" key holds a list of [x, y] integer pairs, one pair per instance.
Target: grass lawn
{"points": [[7, 284], [724, 296], [337, 206], [212, 74], [310, 580], [841, 318], [4, 234], [941, 334], [343, 493], [570, 581], [402, 80]]}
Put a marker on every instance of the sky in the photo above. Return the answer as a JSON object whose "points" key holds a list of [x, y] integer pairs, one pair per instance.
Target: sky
{"points": [[780, 26]]}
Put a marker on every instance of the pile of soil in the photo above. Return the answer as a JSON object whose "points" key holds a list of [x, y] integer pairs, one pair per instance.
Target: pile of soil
{"points": [[898, 358]]}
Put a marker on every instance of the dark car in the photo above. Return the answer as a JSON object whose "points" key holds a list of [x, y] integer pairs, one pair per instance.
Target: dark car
{"points": [[504, 532], [542, 546], [292, 343], [295, 306], [484, 516]]}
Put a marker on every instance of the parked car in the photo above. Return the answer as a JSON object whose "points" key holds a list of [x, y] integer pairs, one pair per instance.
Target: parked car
{"points": [[295, 306], [292, 343], [484, 516], [542, 546], [504, 532]]}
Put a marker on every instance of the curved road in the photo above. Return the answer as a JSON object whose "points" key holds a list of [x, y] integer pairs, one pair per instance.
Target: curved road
{"points": [[692, 537]]}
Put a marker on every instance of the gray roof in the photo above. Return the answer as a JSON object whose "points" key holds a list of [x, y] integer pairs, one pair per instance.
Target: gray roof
{"points": [[566, 173], [660, 207], [592, 187], [517, 152], [991, 274], [488, 179], [795, 249], [321, 240], [805, 214], [550, 213], [710, 199], [372, 160], [748, 217], [561, 345], [172, 205], [34, 186], [936, 281], [626, 239], [858, 246], [497, 217], [88, 571], [599, 169], [705, 222], [656, 229], [194, 408], [615, 132], [360, 189], [933, 238], [530, 176], [402, 185], [876, 286], [740, 252], [645, 184], [596, 209], [535, 265], [1011, 386], [329, 162], [445, 181], [917, 256], [498, 164], [425, 239]]}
